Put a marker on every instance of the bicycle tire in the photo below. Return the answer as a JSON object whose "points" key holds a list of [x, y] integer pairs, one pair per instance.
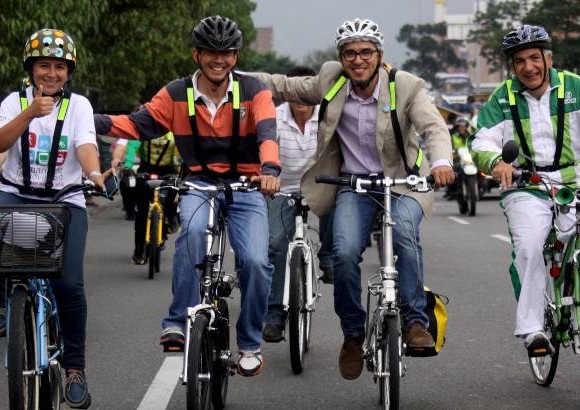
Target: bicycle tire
{"points": [[153, 244], [390, 351], [544, 367], [23, 391], [297, 315], [219, 388], [199, 366], [51, 394]]}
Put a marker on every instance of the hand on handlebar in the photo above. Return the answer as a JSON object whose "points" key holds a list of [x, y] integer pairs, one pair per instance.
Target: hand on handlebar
{"points": [[269, 184], [502, 173], [443, 175]]}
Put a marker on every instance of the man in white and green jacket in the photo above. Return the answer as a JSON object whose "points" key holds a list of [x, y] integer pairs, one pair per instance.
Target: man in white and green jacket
{"points": [[538, 108]]}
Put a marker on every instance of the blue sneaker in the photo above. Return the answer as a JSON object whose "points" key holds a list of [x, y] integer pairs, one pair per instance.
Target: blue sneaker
{"points": [[76, 391], [2, 322]]}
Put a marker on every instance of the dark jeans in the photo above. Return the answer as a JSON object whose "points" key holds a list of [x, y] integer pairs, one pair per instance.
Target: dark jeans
{"points": [[282, 228], [128, 192], [143, 195], [69, 291]]}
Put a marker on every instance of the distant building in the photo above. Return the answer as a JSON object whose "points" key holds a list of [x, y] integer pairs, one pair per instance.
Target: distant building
{"points": [[264, 40]]}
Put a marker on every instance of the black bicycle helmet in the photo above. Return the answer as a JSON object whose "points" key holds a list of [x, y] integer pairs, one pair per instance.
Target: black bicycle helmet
{"points": [[217, 33], [524, 37]]}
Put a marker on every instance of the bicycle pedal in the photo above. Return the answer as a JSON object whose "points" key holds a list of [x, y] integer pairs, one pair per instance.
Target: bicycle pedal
{"points": [[172, 348]]}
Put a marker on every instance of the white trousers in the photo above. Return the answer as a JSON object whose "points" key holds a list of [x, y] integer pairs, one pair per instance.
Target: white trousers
{"points": [[529, 220]]}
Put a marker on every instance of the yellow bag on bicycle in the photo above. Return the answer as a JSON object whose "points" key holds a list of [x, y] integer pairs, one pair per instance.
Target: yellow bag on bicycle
{"points": [[437, 313]]}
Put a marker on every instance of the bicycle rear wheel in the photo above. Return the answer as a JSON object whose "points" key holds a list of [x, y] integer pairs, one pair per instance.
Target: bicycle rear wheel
{"points": [[391, 365], [544, 367], [199, 366], [298, 317], [154, 251], [23, 384], [221, 364]]}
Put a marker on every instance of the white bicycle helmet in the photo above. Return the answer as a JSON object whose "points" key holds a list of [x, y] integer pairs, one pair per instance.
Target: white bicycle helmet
{"points": [[359, 30]]}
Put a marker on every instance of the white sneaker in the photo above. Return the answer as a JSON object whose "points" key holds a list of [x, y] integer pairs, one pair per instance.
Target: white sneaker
{"points": [[538, 344], [250, 363]]}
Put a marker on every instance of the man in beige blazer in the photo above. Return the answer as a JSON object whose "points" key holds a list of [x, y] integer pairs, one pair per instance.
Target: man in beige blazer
{"points": [[356, 136]]}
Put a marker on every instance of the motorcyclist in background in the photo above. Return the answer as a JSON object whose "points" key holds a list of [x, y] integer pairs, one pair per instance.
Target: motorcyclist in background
{"points": [[459, 134]]}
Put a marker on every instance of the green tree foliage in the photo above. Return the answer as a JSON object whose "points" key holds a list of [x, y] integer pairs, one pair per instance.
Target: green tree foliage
{"points": [[127, 49], [269, 62], [562, 20], [316, 58], [493, 25], [433, 52]]}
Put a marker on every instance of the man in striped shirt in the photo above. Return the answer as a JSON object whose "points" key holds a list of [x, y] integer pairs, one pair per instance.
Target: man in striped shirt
{"points": [[297, 137], [224, 124]]}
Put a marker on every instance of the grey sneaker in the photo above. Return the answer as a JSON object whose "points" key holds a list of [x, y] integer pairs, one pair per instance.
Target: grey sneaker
{"points": [[538, 344], [250, 363], [172, 339]]}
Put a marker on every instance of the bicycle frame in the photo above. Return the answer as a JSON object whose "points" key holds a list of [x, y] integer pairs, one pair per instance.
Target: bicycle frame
{"points": [[155, 206]]}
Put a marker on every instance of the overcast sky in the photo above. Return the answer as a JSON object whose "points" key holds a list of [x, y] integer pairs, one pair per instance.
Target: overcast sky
{"points": [[302, 26]]}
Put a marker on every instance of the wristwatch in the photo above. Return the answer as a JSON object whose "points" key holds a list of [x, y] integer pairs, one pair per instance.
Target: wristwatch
{"points": [[94, 174]]}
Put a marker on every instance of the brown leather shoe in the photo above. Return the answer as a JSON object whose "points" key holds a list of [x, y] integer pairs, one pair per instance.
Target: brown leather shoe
{"points": [[350, 361], [418, 338]]}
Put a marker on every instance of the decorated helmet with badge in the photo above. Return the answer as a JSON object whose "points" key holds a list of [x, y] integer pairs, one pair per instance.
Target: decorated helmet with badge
{"points": [[52, 43]]}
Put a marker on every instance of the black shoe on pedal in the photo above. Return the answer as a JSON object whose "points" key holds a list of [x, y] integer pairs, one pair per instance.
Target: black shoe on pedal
{"points": [[172, 339], [273, 333]]}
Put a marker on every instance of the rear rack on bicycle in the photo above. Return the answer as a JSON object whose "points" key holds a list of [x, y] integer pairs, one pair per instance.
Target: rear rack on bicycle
{"points": [[33, 240]]}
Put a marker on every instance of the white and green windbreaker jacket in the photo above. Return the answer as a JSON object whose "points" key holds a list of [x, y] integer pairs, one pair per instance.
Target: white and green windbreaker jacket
{"points": [[539, 119]]}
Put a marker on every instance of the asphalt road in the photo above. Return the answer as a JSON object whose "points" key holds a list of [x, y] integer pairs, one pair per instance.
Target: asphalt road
{"points": [[482, 366]]}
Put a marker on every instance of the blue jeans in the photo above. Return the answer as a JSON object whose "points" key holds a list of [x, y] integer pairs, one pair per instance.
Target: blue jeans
{"points": [[353, 223], [247, 222], [282, 228], [69, 291]]}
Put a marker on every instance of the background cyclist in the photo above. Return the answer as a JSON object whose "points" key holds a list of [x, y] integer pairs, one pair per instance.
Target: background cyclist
{"points": [[552, 151], [160, 157], [25, 178], [206, 150]]}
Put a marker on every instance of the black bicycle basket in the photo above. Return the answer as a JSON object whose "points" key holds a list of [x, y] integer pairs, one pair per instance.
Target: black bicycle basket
{"points": [[33, 240]]}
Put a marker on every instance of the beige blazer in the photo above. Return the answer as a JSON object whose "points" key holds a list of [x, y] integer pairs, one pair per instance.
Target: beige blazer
{"points": [[417, 115]]}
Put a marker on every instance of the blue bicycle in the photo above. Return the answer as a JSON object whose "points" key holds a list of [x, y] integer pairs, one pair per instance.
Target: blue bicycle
{"points": [[32, 252]]}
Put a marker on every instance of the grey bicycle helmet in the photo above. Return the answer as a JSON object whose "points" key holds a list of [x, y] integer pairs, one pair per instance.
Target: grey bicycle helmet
{"points": [[524, 37], [359, 30], [217, 33]]}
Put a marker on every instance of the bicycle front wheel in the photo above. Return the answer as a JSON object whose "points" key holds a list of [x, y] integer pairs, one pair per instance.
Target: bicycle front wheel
{"points": [[23, 382], [199, 366], [154, 251], [298, 316], [221, 364], [391, 364]]}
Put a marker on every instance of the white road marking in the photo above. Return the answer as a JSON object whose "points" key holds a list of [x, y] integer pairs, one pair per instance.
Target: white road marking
{"points": [[502, 238], [161, 390], [458, 220]]}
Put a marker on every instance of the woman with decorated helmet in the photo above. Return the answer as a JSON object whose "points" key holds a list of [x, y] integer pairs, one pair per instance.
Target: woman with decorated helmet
{"points": [[538, 107], [357, 136], [36, 168]]}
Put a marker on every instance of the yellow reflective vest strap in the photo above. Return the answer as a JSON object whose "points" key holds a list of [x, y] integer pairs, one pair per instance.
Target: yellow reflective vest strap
{"points": [[337, 86]]}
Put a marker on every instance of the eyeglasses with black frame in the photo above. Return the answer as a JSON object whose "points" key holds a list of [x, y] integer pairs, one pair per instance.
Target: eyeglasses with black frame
{"points": [[365, 54]]}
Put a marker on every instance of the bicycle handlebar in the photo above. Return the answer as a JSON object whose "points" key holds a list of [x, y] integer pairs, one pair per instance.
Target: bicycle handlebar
{"points": [[87, 187], [243, 186], [420, 184]]}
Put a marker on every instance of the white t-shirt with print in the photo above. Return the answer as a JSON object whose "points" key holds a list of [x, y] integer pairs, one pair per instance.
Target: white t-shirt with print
{"points": [[78, 129]]}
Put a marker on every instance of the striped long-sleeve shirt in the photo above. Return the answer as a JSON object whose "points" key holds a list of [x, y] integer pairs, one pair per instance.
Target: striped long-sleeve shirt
{"points": [[257, 151]]}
